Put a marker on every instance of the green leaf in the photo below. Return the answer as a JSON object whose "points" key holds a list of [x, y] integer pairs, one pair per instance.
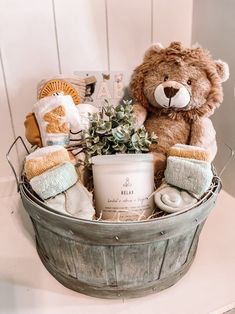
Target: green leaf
{"points": [[112, 131]]}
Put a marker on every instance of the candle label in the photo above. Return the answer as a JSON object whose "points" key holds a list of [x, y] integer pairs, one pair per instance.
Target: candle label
{"points": [[124, 197]]}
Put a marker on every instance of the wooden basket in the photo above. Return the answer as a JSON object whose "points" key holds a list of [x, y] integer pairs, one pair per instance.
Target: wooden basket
{"points": [[117, 259]]}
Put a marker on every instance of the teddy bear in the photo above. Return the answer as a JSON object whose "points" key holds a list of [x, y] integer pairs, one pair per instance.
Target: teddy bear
{"points": [[176, 90]]}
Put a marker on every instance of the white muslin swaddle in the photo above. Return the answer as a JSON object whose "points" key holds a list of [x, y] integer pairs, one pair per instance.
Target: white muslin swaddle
{"points": [[84, 110], [76, 202]]}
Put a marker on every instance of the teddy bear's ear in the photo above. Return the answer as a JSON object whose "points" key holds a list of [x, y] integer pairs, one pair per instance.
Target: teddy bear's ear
{"points": [[152, 50], [222, 69], [177, 45]]}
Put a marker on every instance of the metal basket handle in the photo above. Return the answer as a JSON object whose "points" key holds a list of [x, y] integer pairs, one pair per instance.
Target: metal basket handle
{"points": [[19, 138], [228, 160]]}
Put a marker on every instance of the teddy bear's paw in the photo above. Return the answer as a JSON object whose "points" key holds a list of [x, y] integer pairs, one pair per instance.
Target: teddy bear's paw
{"points": [[139, 114], [159, 167]]}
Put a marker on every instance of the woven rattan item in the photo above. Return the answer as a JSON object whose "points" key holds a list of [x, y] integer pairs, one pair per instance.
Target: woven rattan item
{"points": [[58, 86], [78, 83]]}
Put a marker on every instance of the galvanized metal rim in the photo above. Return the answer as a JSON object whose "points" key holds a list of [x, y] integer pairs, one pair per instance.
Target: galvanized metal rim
{"points": [[39, 204]]}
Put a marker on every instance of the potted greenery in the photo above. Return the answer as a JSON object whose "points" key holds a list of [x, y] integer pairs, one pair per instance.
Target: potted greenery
{"points": [[111, 132]]}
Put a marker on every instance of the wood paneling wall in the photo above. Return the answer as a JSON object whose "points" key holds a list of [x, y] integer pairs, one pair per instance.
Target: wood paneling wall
{"points": [[42, 38]]}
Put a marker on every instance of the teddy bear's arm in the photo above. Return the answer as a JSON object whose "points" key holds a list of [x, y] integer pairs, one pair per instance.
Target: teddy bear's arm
{"points": [[203, 135], [140, 114]]}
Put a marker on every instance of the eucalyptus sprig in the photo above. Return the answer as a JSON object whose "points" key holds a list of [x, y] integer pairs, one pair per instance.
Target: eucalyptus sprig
{"points": [[112, 131]]}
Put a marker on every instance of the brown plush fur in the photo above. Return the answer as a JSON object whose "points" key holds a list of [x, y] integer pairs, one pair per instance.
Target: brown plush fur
{"points": [[195, 69]]}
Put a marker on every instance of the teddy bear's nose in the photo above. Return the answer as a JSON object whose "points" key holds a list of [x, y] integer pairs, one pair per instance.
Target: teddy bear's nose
{"points": [[170, 91]]}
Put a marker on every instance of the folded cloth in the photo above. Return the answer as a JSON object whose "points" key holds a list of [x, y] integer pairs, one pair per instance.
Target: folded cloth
{"points": [[171, 199], [189, 151], [84, 110], [56, 115], [76, 201], [43, 159], [54, 181], [191, 175]]}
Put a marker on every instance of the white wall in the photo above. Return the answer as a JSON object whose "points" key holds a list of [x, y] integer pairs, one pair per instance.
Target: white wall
{"points": [[43, 38]]}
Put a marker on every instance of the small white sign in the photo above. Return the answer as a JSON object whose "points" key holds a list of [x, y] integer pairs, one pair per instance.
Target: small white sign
{"points": [[111, 86]]}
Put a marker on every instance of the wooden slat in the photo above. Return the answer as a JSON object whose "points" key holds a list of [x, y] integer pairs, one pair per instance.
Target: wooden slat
{"points": [[81, 32], [194, 242], [157, 250], [177, 253], [57, 250], [172, 21], [91, 264], [28, 43], [129, 26], [132, 265]]}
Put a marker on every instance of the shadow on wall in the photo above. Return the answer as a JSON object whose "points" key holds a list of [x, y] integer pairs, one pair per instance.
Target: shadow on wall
{"points": [[213, 28]]}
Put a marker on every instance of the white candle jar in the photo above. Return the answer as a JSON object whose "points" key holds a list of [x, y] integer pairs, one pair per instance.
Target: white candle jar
{"points": [[122, 185]]}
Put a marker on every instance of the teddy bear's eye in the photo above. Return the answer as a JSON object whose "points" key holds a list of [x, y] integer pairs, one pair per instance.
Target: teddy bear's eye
{"points": [[189, 82], [166, 77]]}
